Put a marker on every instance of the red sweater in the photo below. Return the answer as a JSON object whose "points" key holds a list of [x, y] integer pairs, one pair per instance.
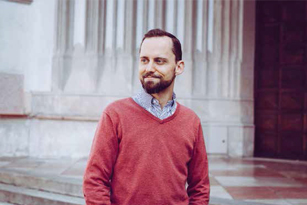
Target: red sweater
{"points": [[138, 159]]}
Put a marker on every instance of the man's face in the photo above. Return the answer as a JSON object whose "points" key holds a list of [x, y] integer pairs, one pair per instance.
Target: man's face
{"points": [[157, 64]]}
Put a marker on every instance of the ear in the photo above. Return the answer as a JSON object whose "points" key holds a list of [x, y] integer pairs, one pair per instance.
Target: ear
{"points": [[179, 68]]}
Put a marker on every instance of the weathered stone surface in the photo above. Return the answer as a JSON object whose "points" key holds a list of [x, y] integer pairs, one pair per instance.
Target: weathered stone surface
{"points": [[86, 106], [25, 196], [14, 137], [59, 138], [241, 141], [42, 182], [11, 94]]}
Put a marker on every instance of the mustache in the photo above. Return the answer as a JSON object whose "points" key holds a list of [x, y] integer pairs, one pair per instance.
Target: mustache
{"points": [[152, 75]]}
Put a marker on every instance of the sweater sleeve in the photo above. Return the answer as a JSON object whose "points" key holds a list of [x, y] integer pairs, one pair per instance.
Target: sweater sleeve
{"points": [[198, 174], [98, 172]]}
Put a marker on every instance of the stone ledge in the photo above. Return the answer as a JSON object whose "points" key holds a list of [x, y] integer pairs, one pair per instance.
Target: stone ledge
{"points": [[90, 107]]}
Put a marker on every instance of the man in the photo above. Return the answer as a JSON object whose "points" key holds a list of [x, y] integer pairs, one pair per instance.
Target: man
{"points": [[147, 148]]}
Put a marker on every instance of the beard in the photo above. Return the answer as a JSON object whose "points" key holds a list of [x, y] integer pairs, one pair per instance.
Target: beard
{"points": [[152, 87]]}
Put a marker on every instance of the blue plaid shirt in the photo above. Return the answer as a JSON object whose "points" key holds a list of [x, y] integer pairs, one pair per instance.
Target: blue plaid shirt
{"points": [[152, 105]]}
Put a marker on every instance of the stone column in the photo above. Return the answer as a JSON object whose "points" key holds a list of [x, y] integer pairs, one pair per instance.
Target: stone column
{"points": [[63, 44], [217, 93], [230, 125]]}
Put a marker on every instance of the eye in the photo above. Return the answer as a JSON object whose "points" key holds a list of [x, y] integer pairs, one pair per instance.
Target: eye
{"points": [[159, 61], [144, 60]]}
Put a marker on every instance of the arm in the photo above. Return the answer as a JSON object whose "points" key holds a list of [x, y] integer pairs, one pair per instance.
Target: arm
{"points": [[96, 181], [198, 176]]}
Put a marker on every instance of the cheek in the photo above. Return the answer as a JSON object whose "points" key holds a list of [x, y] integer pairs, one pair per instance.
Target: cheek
{"points": [[163, 71], [141, 70]]}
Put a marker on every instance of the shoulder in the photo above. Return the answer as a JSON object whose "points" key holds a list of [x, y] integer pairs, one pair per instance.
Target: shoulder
{"points": [[117, 109], [188, 113], [121, 105], [190, 120]]}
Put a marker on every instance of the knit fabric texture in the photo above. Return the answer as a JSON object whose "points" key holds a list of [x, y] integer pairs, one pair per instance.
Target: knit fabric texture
{"points": [[139, 159]]}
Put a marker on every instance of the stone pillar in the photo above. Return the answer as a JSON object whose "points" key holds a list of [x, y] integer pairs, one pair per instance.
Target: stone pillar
{"points": [[217, 93], [200, 74], [63, 45], [186, 16], [229, 121]]}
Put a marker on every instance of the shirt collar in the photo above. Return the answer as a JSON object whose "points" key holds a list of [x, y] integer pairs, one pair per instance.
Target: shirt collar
{"points": [[148, 100]]}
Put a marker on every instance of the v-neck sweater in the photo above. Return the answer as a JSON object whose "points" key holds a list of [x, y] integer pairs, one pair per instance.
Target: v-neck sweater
{"points": [[139, 159]]}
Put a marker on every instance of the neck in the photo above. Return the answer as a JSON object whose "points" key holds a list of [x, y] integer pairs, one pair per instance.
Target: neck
{"points": [[164, 96]]}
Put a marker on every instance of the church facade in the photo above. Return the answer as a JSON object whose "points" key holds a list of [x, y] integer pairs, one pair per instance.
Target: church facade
{"points": [[64, 61]]}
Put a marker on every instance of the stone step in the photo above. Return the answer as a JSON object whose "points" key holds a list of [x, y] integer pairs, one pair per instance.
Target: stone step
{"points": [[222, 201], [25, 196], [4, 203], [49, 183]]}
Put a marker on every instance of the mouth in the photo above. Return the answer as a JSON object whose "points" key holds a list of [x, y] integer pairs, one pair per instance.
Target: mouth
{"points": [[146, 76], [150, 77]]}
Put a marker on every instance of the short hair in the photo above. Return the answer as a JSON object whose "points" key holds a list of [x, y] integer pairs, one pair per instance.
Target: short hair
{"points": [[160, 33]]}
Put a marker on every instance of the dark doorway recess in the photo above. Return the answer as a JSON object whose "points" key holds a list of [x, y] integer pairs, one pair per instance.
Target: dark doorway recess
{"points": [[281, 79]]}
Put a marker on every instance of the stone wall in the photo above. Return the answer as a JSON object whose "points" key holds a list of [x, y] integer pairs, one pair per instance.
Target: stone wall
{"points": [[94, 62]]}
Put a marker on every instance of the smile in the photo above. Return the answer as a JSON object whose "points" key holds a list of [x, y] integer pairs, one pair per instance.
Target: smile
{"points": [[151, 78]]}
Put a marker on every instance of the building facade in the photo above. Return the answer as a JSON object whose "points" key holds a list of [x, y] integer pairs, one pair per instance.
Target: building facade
{"points": [[64, 61]]}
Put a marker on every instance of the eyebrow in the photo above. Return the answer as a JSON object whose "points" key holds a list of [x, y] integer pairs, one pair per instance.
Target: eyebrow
{"points": [[154, 58], [165, 59]]}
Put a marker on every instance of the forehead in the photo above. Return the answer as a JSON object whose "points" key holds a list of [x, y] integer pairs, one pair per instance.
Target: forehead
{"points": [[157, 46]]}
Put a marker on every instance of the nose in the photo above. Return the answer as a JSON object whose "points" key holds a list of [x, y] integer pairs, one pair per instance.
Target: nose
{"points": [[150, 67]]}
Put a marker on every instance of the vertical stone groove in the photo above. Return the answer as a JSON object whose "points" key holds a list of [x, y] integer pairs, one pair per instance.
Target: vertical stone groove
{"points": [[64, 29], [64, 44], [101, 26]]}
